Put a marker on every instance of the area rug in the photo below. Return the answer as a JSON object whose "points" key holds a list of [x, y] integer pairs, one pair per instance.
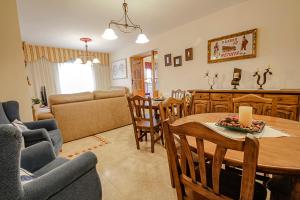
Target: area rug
{"points": [[74, 148]]}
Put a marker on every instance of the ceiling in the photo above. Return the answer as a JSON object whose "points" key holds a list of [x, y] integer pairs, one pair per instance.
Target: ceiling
{"points": [[60, 23]]}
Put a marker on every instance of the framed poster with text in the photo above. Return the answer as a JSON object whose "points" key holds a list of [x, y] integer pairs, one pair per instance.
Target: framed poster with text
{"points": [[232, 47]]}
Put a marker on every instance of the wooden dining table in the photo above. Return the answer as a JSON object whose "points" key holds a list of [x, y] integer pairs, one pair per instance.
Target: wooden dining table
{"points": [[277, 156]]}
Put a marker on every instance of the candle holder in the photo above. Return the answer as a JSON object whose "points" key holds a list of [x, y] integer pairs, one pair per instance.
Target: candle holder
{"points": [[211, 79], [237, 75], [267, 71]]}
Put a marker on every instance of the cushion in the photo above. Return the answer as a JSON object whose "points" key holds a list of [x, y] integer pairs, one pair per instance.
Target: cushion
{"points": [[3, 117], [70, 98], [21, 127], [25, 176], [105, 94]]}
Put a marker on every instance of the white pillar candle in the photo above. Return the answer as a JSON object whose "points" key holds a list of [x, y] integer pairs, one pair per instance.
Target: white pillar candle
{"points": [[245, 115]]}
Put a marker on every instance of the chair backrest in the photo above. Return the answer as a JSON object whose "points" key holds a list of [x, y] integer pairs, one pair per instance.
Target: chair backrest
{"points": [[140, 109], [178, 94], [172, 109], [256, 102], [9, 111], [183, 169], [10, 147]]}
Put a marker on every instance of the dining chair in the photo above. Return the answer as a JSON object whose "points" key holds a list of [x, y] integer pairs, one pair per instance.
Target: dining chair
{"points": [[144, 121], [209, 180], [258, 103], [171, 109], [178, 94]]}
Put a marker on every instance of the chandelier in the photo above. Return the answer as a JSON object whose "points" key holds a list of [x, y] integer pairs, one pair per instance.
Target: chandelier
{"points": [[125, 25], [86, 58]]}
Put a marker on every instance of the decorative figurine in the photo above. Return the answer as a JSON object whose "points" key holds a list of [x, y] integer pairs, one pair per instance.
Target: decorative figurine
{"points": [[211, 80], [237, 75], [267, 71]]}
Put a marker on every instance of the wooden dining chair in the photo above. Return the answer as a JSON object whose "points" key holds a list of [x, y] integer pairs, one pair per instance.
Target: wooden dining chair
{"points": [[258, 103], [144, 121], [178, 94], [171, 110], [209, 180]]}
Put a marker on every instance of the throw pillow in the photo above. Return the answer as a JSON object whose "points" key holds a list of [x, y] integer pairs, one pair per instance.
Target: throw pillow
{"points": [[25, 176], [21, 127]]}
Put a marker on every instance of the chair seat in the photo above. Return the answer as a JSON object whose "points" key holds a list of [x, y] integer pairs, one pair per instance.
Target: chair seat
{"points": [[146, 124], [50, 166], [230, 184]]}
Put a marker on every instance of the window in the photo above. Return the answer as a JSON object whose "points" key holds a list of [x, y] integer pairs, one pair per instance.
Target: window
{"points": [[75, 78]]}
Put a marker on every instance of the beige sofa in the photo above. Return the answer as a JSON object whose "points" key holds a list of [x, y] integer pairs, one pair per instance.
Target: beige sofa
{"points": [[83, 114]]}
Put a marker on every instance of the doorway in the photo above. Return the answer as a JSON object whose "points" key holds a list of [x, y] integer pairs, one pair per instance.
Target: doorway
{"points": [[144, 74]]}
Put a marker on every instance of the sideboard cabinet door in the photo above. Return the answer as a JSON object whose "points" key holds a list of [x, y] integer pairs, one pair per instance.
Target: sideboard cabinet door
{"points": [[220, 106], [200, 106], [283, 111]]}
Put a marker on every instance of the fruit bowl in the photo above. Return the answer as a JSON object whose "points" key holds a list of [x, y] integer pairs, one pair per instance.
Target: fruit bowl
{"points": [[232, 123]]}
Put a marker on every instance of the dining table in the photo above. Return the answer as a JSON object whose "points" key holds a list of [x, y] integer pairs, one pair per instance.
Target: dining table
{"points": [[277, 155]]}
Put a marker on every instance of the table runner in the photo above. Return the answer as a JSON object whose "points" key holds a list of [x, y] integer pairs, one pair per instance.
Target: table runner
{"points": [[268, 132]]}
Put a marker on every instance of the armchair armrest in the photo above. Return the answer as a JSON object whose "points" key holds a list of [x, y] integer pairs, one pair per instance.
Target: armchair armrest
{"points": [[56, 180], [32, 137], [48, 124], [37, 156]]}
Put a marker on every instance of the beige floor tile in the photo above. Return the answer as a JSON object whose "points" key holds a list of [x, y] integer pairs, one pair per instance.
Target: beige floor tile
{"points": [[130, 174]]}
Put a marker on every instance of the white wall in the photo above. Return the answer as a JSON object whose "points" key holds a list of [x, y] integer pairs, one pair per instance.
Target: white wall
{"points": [[13, 84], [278, 23]]}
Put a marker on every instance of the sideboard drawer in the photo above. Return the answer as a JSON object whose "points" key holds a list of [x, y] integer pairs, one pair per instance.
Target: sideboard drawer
{"points": [[284, 99], [221, 97], [201, 96]]}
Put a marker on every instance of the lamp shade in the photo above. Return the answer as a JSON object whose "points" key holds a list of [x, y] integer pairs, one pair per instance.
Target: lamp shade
{"points": [[109, 34], [96, 61], [142, 39], [89, 62], [78, 61]]}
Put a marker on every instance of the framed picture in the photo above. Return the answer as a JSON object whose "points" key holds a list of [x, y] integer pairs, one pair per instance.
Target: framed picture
{"points": [[189, 54], [232, 47], [177, 61], [119, 69], [168, 60]]}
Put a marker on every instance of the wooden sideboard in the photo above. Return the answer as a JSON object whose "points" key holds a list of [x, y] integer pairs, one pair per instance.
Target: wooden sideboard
{"points": [[288, 101]]}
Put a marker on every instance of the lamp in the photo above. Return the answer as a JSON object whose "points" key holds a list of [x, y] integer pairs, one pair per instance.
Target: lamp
{"points": [[126, 26], [86, 58]]}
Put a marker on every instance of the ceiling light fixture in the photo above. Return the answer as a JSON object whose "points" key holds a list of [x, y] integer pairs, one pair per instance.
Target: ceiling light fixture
{"points": [[126, 26], [86, 58]]}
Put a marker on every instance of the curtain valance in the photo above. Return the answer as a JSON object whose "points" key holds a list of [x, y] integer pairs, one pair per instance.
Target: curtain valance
{"points": [[58, 55]]}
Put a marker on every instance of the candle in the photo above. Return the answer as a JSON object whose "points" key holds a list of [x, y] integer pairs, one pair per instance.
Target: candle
{"points": [[245, 115]]}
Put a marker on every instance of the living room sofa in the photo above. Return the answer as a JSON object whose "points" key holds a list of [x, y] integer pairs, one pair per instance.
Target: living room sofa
{"points": [[88, 113]]}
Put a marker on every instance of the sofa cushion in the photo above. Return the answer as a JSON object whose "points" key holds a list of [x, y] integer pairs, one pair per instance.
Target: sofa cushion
{"points": [[70, 98], [3, 117], [105, 94]]}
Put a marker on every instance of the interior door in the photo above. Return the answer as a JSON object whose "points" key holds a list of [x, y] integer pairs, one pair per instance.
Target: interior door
{"points": [[137, 76]]}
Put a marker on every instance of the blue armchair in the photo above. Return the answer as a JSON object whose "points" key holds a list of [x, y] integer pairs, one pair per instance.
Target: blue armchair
{"points": [[55, 178], [44, 130]]}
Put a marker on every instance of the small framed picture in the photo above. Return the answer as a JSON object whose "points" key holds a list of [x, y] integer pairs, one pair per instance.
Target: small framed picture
{"points": [[177, 61], [189, 54], [168, 60]]}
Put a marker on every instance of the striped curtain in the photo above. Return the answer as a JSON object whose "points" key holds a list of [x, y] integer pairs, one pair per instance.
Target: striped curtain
{"points": [[33, 53]]}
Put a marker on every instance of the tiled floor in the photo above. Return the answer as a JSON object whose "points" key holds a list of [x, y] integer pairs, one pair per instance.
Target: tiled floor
{"points": [[130, 174]]}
